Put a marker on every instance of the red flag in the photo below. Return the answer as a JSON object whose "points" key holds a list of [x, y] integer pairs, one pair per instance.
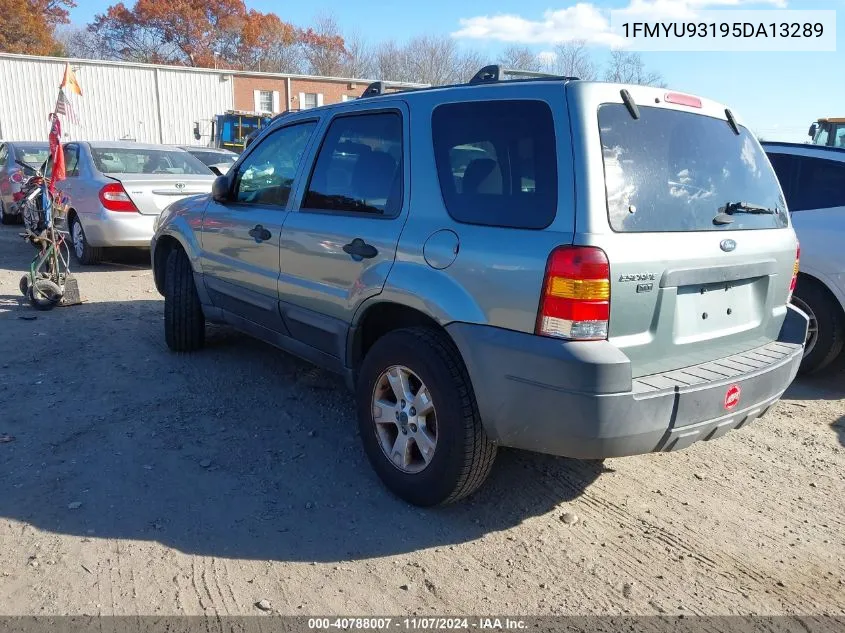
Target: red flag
{"points": [[56, 152]]}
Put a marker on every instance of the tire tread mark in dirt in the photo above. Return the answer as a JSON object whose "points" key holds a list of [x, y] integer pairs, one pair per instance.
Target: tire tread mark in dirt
{"points": [[652, 531]]}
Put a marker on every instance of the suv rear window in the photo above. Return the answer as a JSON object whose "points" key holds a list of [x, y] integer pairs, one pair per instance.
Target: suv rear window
{"points": [[672, 171], [496, 162]]}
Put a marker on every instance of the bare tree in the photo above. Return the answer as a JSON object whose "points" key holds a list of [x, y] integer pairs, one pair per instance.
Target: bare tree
{"points": [[467, 63], [573, 59], [359, 62], [520, 58], [437, 60], [322, 59], [82, 44], [389, 62], [629, 68]]}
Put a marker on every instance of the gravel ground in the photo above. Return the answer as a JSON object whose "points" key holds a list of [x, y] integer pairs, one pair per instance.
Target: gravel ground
{"points": [[137, 481]]}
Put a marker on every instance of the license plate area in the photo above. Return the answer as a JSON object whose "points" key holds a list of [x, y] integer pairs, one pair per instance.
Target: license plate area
{"points": [[706, 311]]}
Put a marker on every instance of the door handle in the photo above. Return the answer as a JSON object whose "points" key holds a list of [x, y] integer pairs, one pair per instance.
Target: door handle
{"points": [[359, 249], [259, 233]]}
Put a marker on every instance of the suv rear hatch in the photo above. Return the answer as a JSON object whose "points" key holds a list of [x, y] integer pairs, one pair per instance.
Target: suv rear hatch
{"points": [[694, 224]]}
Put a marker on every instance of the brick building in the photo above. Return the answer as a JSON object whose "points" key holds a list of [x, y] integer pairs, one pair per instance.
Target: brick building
{"points": [[276, 93]]}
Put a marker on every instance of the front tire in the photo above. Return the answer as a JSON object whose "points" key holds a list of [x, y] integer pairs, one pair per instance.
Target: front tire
{"points": [[826, 333], [85, 254], [184, 322], [419, 420]]}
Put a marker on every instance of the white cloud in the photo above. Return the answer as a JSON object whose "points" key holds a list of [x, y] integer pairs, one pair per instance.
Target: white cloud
{"points": [[585, 21], [582, 21]]}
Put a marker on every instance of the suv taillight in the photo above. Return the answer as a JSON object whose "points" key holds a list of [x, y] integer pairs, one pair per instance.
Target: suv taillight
{"points": [[114, 198], [575, 303], [794, 281]]}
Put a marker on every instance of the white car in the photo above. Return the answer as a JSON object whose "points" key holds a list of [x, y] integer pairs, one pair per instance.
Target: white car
{"points": [[217, 160], [813, 181]]}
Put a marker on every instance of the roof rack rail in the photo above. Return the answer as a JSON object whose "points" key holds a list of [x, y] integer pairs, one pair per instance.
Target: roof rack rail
{"points": [[494, 73], [374, 89]]}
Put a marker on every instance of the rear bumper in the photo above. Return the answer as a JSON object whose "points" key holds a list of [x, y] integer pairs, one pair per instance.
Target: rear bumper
{"points": [[579, 400], [115, 228]]}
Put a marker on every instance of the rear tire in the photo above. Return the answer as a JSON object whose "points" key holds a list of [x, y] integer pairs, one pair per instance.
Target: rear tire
{"points": [[184, 322], [4, 217], [462, 456], [85, 254], [825, 344]]}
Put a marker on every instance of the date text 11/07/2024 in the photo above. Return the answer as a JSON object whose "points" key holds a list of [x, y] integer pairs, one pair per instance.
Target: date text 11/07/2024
{"points": [[722, 29], [417, 624]]}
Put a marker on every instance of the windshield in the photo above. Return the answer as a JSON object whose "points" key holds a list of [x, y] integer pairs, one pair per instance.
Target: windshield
{"points": [[32, 155], [673, 171], [215, 158], [839, 135], [146, 161]]}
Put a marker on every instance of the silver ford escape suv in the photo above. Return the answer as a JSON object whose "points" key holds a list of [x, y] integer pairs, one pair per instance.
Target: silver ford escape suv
{"points": [[583, 269]]}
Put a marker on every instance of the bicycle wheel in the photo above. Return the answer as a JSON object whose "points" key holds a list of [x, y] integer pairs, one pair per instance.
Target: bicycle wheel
{"points": [[44, 294], [23, 284]]}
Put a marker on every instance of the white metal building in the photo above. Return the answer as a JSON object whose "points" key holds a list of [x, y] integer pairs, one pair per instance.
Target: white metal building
{"points": [[152, 104], [145, 102]]}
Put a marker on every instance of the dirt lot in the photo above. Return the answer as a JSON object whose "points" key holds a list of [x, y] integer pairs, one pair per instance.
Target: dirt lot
{"points": [[143, 482]]}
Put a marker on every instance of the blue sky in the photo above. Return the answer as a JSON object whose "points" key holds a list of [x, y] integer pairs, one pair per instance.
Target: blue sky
{"points": [[777, 94]]}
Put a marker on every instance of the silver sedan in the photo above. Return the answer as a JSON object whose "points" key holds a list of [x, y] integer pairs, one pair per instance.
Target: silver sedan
{"points": [[117, 189]]}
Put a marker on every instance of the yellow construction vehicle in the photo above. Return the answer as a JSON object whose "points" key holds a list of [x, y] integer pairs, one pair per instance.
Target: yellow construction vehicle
{"points": [[829, 132]]}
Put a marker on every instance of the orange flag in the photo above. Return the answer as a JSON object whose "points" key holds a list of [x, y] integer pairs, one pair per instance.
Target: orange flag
{"points": [[69, 81]]}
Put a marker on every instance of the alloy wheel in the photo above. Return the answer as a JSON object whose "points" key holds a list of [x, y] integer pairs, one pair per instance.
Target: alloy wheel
{"points": [[405, 419]]}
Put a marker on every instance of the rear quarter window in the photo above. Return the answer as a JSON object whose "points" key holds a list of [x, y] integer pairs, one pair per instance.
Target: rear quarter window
{"points": [[820, 184], [673, 171], [496, 162]]}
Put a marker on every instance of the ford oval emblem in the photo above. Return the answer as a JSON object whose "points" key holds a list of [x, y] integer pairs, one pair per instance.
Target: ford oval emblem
{"points": [[727, 245]]}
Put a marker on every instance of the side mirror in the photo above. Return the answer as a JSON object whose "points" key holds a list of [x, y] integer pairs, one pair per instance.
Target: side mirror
{"points": [[221, 188], [215, 170], [197, 134], [813, 129]]}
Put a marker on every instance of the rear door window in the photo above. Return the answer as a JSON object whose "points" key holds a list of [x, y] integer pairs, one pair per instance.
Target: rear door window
{"points": [[820, 184], [359, 166], [71, 160], [496, 162], [673, 171]]}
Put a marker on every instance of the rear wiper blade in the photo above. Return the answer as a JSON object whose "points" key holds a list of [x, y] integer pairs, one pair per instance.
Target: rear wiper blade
{"points": [[725, 213]]}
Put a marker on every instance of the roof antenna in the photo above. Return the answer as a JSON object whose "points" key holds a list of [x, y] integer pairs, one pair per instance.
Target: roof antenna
{"points": [[629, 103]]}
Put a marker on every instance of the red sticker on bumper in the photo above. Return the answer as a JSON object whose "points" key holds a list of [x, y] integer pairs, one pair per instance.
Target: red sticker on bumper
{"points": [[732, 396]]}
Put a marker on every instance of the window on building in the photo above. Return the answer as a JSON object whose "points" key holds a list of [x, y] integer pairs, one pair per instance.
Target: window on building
{"points": [[347, 98], [309, 100], [359, 166], [265, 101]]}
